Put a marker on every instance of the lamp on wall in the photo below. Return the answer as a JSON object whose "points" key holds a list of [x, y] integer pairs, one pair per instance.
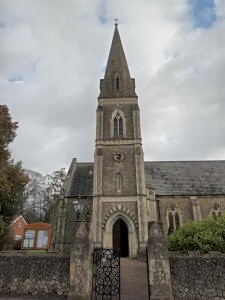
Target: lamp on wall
{"points": [[82, 212]]}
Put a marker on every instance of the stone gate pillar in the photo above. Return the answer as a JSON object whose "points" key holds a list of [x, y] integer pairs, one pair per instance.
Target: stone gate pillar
{"points": [[158, 263], [81, 265]]}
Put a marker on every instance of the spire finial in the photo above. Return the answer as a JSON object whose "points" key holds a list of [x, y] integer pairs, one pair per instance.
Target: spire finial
{"points": [[116, 22]]}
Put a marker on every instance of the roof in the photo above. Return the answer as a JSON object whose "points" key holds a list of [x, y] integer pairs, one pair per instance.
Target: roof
{"points": [[166, 177], [186, 177], [19, 218], [81, 180]]}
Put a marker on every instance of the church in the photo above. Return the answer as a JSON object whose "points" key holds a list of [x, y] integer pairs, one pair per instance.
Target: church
{"points": [[121, 191]]}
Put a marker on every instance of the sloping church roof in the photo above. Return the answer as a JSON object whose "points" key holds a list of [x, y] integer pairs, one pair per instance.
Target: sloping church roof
{"points": [[166, 177], [80, 181], [186, 177]]}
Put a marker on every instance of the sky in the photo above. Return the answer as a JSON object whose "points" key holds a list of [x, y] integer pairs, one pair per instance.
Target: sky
{"points": [[53, 54]]}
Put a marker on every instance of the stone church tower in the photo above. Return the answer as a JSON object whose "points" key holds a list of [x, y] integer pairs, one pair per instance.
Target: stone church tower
{"points": [[119, 192]]}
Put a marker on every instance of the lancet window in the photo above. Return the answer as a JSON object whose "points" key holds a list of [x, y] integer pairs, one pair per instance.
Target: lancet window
{"points": [[173, 218], [117, 83], [118, 124], [118, 182]]}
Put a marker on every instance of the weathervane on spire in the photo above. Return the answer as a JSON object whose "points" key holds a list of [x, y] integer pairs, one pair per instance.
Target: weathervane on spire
{"points": [[116, 21]]}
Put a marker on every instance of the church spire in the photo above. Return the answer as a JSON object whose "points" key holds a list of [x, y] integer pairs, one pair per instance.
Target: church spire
{"points": [[117, 82]]}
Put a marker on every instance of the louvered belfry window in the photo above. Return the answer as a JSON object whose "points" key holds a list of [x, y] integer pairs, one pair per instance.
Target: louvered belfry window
{"points": [[118, 125]]}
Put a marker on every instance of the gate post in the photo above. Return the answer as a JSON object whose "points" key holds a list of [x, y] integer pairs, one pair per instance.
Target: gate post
{"points": [[158, 263], [80, 266]]}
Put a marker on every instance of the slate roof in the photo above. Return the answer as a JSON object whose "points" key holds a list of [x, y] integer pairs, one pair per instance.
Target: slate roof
{"points": [[167, 177], [81, 180], [186, 177]]}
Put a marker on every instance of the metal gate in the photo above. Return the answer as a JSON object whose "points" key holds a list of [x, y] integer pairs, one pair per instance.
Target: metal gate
{"points": [[106, 274], [147, 268]]}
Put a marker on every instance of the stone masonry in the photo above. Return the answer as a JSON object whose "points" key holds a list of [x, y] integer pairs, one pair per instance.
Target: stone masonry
{"points": [[198, 277], [30, 274]]}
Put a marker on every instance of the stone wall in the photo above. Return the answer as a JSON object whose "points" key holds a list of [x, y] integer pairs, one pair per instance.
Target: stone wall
{"points": [[196, 277], [34, 274]]}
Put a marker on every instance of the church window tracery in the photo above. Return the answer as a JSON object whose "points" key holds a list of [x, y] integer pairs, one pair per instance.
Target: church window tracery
{"points": [[118, 126], [173, 214], [216, 210]]}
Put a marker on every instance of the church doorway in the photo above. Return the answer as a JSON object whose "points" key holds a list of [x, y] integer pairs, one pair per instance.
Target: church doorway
{"points": [[120, 237]]}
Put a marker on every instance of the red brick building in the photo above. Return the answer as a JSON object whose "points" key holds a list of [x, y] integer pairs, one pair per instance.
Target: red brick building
{"points": [[17, 227]]}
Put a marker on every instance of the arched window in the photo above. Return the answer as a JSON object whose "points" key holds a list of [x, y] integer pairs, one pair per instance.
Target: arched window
{"points": [[117, 83], [173, 214], [171, 223], [118, 182], [216, 210], [177, 220], [118, 125]]}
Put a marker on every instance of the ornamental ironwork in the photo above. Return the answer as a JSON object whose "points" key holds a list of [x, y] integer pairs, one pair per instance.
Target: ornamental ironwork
{"points": [[106, 274]]}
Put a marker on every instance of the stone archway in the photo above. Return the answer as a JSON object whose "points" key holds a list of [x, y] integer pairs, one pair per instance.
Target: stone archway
{"points": [[120, 238], [132, 234]]}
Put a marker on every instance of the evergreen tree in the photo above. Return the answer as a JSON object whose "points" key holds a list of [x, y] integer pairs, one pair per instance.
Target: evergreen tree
{"points": [[12, 178]]}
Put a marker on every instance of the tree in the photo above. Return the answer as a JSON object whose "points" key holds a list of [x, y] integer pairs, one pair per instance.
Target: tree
{"points": [[204, 236], [41, 194], [52, 192], [34, 197], [12, 178]]}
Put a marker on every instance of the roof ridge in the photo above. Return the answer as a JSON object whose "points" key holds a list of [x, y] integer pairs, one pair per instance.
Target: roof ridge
{"points": [[174, 161]]}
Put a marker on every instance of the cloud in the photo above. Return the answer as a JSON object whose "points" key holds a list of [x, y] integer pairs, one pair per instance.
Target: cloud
{"points": [[220, 8], [58, 50]]}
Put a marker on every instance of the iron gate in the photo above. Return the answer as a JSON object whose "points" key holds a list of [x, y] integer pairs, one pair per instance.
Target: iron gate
{"points": [[147, 268], [106, 274]]}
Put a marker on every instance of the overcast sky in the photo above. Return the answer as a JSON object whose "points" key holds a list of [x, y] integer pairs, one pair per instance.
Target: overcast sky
{"points": [[54, 52]]}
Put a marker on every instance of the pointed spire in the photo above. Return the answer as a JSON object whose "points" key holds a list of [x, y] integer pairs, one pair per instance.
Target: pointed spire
{"points": [[117, 81]]}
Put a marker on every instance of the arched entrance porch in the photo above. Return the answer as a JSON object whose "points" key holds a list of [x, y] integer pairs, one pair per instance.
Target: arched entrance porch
{"points": [[120, 237], [124, 221]]}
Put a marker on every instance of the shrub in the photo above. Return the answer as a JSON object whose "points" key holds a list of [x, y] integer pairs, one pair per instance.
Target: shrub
{"points": [[206, 235]]}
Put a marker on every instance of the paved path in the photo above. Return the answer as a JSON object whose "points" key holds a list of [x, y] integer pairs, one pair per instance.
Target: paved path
{"points": [[133, 280], [32, 298]]}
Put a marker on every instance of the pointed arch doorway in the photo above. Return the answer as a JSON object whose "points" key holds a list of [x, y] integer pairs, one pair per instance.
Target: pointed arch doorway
{"points": [[120, 237]]}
